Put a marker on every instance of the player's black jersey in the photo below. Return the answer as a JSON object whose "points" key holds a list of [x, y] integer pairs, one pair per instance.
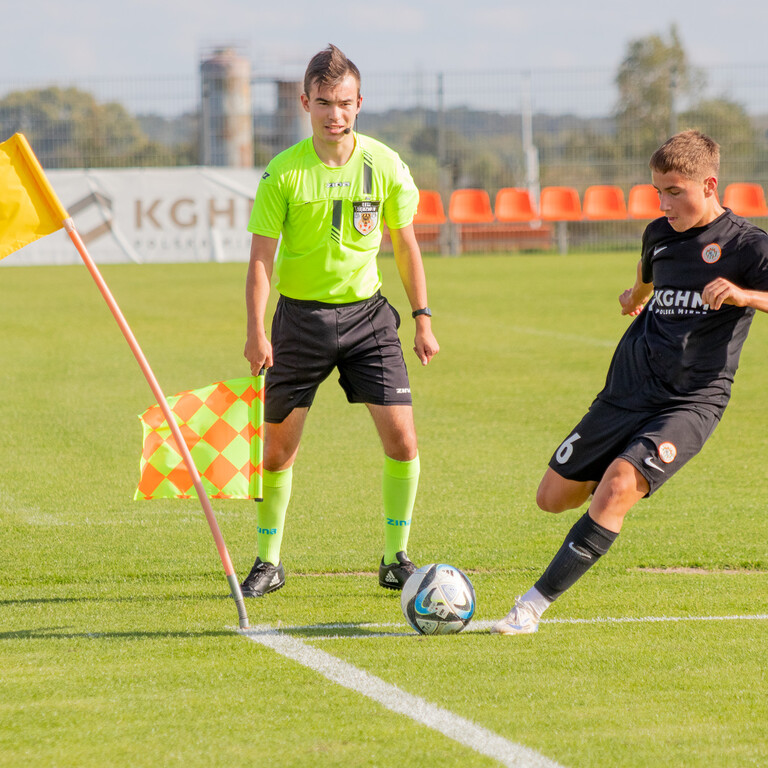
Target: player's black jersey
{"points": [[677, 349]]}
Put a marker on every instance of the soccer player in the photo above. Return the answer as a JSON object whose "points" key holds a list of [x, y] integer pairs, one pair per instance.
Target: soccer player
{"points": [[671, 374], [325, 199]]}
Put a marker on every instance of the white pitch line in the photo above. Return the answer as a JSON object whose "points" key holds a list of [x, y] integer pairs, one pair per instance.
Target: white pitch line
{"points": [[650, 619], [453, 726], [483, 626]]}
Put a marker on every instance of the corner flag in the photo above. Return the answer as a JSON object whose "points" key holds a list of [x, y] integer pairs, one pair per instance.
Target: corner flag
{"points": [[29, 208]]}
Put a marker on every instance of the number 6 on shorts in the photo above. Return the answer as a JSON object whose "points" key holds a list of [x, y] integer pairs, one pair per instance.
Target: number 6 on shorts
{"points": [[566, 448]]}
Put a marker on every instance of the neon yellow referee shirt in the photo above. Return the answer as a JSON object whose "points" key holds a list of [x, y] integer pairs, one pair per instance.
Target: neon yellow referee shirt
{"points": [[330, 219]]}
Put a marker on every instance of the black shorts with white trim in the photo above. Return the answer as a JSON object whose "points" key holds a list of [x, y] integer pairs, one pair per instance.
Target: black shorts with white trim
{"points": [[657, 443], [311, 338]]}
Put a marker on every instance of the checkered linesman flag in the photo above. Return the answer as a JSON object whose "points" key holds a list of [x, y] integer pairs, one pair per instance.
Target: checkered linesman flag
{"points": [[222, 425]]}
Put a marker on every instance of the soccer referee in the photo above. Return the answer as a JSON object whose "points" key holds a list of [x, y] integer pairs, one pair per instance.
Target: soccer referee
{"points": [[325, 200]]}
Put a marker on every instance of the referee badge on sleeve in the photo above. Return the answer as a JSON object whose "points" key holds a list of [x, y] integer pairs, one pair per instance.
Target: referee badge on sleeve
{"points": [[365, 216]]}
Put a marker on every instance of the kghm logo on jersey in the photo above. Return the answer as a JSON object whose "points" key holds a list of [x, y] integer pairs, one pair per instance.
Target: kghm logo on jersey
{"points": [[712, 253], [667, 452], [668, 301], [366, 216]]}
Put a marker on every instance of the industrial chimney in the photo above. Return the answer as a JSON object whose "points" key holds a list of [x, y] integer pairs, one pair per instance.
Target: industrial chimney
{"points": [[227, 121]]}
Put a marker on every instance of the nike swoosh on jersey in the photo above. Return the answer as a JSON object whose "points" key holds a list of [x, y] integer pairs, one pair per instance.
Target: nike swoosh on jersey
{"points": [[649, 461], [658, 249]]}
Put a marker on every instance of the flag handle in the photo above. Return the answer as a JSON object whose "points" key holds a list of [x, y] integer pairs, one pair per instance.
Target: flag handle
{"points": [[259, 493], [205, 502]]}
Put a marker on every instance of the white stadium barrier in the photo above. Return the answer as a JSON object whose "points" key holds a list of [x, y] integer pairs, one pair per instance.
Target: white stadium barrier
{"points": [[150, 215]]}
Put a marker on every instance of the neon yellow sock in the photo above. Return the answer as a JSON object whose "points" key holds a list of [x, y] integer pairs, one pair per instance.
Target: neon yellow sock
{"points": [[400, 481], [271, 513]]}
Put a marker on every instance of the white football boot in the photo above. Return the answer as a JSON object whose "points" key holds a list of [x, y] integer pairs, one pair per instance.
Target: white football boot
{"points": [[521, 620]]}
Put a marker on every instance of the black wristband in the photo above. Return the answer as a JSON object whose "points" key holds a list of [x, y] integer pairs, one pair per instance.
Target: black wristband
{"points": [[426, 311]]}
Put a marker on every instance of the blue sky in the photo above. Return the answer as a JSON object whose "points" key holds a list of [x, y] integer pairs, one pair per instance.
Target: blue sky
{"points": [[93, 38]]}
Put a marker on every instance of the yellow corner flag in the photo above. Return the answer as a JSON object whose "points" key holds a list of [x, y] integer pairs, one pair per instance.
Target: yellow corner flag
{"points": [[29, 207]]}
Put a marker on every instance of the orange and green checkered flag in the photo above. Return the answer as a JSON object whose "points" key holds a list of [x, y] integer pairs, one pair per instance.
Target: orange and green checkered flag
{"points": [[223, 427]]}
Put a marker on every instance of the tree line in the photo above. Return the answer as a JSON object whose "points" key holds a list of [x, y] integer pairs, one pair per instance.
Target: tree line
{"points": [[69, 129]]}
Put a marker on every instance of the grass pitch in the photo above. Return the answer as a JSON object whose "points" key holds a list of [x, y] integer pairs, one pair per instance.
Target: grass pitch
{"points": [[115, 639]]}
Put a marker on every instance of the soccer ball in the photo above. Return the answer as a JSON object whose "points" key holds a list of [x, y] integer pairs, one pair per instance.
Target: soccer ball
{"points": [[438, 599]]}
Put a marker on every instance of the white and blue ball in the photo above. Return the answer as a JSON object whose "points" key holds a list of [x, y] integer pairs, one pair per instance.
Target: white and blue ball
{"points": [[438, 599]]}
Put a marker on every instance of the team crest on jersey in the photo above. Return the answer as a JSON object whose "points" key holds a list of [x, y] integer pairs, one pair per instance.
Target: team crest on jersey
{"points": [[366, 216], [667, 452], [711, 253]]}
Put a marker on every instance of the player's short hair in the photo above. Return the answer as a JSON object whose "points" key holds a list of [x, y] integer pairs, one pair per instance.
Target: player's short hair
{"points": [[691, 153], [329, 67]]}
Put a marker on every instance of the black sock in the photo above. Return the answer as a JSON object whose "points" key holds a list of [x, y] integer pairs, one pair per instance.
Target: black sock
{"points": [[585, 543]]}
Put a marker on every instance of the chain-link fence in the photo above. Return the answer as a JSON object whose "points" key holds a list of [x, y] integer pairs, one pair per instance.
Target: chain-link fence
{"points": [[485, 130]]}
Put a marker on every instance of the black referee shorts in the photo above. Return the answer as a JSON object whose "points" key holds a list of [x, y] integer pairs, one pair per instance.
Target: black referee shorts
{"points": [[657, 443], [311, 338]]}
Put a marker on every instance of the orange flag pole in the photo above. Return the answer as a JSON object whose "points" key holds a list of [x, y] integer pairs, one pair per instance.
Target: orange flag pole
{"points": [[229, 570], [181, 444]]}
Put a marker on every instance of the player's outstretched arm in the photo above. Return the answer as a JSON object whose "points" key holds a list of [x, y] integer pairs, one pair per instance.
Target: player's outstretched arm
{"points": [[721, 291], [634, 299], [258, 350], [411, 269]]}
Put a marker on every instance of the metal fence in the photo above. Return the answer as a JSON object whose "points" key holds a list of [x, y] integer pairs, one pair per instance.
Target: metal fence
{"points": [[455, 129]]}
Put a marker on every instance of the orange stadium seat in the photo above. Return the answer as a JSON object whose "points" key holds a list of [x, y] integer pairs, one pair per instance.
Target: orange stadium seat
{"points": [[604, 202], [430, 210], [470, 206], [643, 202], [560, 204], [745, 199], [514, 204]]}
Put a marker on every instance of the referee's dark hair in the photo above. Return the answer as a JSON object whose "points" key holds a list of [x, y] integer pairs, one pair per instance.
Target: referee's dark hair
{"points": [[329, 67]]}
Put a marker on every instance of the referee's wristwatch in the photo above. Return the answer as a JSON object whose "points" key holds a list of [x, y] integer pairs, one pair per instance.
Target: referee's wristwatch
{"points": [[426, 311]]}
